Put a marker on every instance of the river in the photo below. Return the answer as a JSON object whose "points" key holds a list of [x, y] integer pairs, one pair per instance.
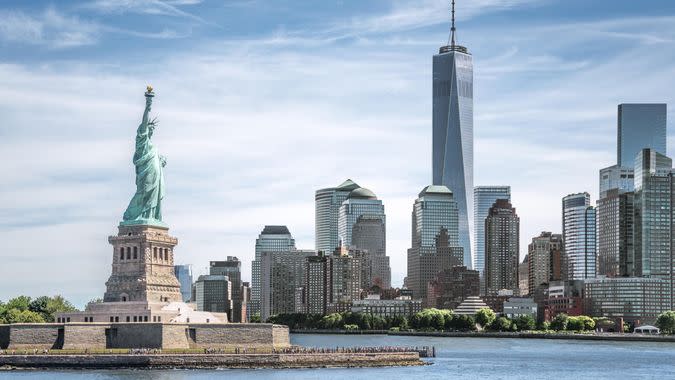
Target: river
{"points": [[457, 358]]}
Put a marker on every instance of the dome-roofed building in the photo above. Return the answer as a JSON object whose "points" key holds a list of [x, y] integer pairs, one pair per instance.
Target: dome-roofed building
{"points": [[327, 207], [361, 193]]}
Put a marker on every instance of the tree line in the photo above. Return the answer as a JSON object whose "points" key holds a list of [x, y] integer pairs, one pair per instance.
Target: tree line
{"points": [[439, 320], [24, 309]]}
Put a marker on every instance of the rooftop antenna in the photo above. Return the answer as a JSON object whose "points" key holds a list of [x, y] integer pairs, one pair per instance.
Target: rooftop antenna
{"points": [[452, 29]]}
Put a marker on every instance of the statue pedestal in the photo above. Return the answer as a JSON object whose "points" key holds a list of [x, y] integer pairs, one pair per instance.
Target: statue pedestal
{"points": [[142, 265]]}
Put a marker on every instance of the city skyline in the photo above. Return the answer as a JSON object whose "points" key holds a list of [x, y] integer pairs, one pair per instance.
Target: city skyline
{"points": [[64, 81]]}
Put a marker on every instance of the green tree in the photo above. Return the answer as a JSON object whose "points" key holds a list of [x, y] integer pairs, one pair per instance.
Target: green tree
{"points": [[485, 317], [21, 303], [559, 323], [575, 324], [524, 323], [502, 324], [255, 318], [399, 321], [666, 322], [23, 316], [588, 322]]}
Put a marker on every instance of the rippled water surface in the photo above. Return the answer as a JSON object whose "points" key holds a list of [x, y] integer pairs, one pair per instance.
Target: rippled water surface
{"points": [[457, 358]]}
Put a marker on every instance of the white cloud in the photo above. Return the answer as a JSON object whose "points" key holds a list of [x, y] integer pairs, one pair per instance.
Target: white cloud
{"points": [[50, 28]]}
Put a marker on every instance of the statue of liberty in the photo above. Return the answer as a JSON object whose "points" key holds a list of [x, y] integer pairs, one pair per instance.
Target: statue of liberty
{"points": [[146, 205]]}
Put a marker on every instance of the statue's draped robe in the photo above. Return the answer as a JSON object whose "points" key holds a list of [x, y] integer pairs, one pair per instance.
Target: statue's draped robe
{"points": [[147, 202]]}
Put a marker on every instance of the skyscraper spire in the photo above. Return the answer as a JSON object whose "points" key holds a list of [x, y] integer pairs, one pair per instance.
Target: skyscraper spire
{"points": [[452, 29]]}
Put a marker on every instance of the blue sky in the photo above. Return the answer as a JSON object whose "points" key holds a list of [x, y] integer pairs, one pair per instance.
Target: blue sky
{"points": [[261, 103]]}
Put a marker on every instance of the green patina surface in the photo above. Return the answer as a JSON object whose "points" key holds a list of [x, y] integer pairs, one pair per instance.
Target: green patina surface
{"points": [[145, 207]]}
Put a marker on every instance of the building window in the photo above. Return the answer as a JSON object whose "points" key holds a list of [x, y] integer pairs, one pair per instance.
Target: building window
{"points": [[112, 319], [166, 254], [135, 318], [128, 318], [122, 253], [135, 253], [145, 319], [159, 318], [128, 253], [68, 319], [154, 253]]}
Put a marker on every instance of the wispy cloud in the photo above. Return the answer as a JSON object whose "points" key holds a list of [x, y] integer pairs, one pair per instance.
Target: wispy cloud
{"points": [[414, 14], [150, 7], [50, 28]]}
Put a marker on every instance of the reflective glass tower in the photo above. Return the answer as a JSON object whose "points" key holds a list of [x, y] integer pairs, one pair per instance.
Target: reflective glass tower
{"points": [[640, 126], [484, 197], [184, 276], [359, 202], [327, 206], [452, 154], [579, 236], [435, 238]]}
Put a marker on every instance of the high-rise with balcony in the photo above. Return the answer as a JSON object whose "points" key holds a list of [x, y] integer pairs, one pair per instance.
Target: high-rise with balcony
{"points": [[452, 150], [579, 236], [483, 198]]}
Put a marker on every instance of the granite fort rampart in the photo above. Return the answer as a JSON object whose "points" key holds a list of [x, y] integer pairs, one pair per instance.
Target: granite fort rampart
{"points": [[142, 335]]}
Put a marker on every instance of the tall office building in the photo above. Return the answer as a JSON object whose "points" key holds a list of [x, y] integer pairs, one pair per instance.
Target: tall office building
{"points": [[327, 207], [654, 208], [184, 276], [452, 154], [579, 236], [502, 248], [544, 260], [435, 238], [232, 269], [332, 281], [359, 202], [615, 210], [640, 126], [483, 199], [271, 239], [214, 294], [369, 236], [281, 273]]}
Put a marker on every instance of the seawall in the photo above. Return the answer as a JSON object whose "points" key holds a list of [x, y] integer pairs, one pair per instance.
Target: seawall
{"points": [[192, 361], [628, 337]]}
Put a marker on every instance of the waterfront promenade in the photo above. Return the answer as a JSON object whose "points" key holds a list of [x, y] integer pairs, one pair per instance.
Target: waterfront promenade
{"points": [[626, 337], [292, 357]]}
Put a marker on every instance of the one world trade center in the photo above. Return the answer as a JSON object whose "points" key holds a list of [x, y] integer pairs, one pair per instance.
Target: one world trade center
{"points": [[453, 129]]}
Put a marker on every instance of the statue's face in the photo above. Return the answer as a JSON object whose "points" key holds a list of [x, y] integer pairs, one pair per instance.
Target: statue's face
{"points": [[151, 130]]}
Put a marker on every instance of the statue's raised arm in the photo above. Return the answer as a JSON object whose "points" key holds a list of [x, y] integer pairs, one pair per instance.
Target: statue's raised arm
{"points": [[146, 205]]}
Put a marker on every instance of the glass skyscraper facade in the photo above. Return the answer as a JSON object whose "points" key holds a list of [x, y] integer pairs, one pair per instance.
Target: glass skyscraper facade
{"points": [[579, 236], [327, 207], [271, 239], [435, 238], [184, 276], [359, 202], [483, 198], [654, 209], [452, 151], [640, 126]]}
